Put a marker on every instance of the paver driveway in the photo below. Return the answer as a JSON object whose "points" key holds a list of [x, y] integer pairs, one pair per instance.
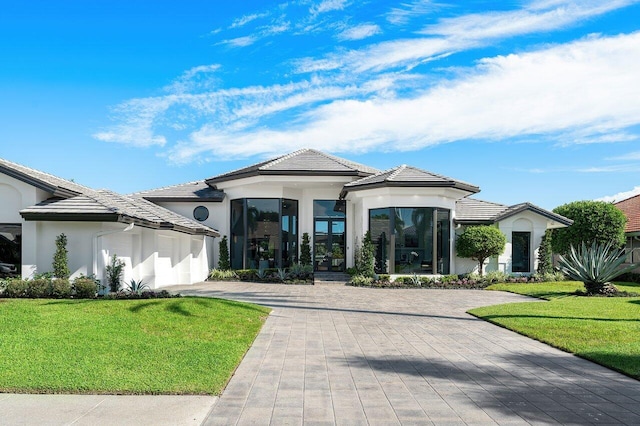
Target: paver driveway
{"points": [[330, 354]]}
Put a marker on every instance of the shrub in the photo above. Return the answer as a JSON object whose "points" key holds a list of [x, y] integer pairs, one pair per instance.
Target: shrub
{"points": [[137, 286], [300, 271], [496, 277], [60, 258], [592, 221], [384, 277], [365, 257], [545, 264], [114, 273], [305, 250], [15, 288], [85, 288], [38, 288], [223, 262], [146, 294], [222, 275], [361, 280], [246, 274], [60, 289]]}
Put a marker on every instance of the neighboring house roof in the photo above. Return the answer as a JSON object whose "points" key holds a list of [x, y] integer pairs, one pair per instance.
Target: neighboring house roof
{"points": [[407, 176], [107, 206], [631, 209], [56, 186], [473, 211], [192, 191], [305, 162]]}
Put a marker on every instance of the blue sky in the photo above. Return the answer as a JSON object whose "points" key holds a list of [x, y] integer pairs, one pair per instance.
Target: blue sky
{"points": [[531, 100]]}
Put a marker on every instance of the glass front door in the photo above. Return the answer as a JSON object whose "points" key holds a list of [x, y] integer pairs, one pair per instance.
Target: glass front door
{"points": [[329, 245]]}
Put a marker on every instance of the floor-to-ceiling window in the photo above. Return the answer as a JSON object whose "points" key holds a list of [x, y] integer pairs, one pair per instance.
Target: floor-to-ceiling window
{"points": [[405, 238], [264, 233], [520, 256]]}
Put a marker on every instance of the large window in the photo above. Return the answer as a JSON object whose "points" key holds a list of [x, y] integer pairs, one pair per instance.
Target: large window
{"points": [[411, 239], [264, 233], [520, 245]]}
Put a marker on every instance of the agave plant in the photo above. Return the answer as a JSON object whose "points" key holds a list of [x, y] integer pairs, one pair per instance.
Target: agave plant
{"points": [[595, 265], [137, 286]]}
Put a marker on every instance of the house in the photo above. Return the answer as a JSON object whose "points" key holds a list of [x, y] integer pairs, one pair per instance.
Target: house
{"points": [[166, 235], [631, 209]]}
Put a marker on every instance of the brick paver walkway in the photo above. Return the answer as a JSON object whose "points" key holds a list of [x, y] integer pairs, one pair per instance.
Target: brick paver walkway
{"points": [[332, 354]]}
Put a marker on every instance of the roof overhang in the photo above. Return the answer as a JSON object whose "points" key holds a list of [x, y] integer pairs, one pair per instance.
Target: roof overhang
{"points": [[471, 189], [52, 189]]}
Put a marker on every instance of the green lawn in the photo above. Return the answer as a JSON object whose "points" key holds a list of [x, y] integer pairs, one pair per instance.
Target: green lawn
{"points": [[605, 330], [159, 346]]}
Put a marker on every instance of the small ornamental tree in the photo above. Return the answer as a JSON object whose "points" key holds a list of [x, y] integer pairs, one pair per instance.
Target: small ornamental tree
{"points": [[593, 221], [223, 261], [480, 243], [114, 273], [545, 264], [305, 250], [60, 258]]}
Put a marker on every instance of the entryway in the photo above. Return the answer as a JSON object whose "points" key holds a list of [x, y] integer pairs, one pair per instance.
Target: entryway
{"points": [[329, 245]]}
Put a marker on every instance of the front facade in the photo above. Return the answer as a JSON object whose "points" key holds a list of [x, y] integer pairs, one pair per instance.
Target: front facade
{"points": [[169, 235], [413, 216]]}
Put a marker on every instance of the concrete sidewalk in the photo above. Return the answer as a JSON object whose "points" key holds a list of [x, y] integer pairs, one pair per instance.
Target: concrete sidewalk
{"points": [[21, 409], [332, 354]]}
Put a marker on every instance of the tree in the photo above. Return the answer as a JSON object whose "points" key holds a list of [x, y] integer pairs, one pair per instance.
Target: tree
{"points": [[223, 261], [545, 264], [60, 258], [305, 255], [365, 257], [592, 221], [480, 243]]}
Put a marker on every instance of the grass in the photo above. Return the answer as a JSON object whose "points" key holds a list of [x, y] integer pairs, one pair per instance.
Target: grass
{"points": [[162, 346], [605, 330]]}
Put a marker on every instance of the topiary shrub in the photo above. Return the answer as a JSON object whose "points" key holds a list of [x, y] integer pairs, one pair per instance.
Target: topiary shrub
{"points": [[85, 288], [305, 250], [480, 243], [15, 288], [61, 289], [223, 262], [60, 263], [38, 288]]}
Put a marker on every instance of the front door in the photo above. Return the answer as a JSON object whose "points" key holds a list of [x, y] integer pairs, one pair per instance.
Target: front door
{"points": [[329, 245]]}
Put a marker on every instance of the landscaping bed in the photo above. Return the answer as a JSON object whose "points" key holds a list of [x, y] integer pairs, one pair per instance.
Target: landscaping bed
{"points": [[605, 330], [182, 345]]}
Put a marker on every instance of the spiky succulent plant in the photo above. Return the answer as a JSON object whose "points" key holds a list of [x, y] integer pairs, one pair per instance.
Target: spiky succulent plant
{"points": [[595, 265]]}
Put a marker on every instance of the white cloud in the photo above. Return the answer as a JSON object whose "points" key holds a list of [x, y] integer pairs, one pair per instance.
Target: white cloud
{"points": [[327, 6], [359, 32], [468, 31], [632, 156], [621, 195], [240, 41], [586, 86], [406, 11], [244, 20]]}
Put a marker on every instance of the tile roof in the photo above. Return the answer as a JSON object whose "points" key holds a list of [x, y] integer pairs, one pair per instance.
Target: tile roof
{"points": [[54, 185], [303, 162], [471, 210], [108, 206], [408, 176], [631, 208], [192, 191]]}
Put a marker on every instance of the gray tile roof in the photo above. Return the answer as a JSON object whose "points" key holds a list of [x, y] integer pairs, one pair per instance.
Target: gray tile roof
{"points": [[107, 206], [56, 186], [303, 162], [470, 211], [408, 176], [192, 191]]}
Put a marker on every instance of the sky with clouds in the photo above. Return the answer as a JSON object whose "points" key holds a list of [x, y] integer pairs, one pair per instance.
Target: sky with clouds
{"points": [[531, 100]]}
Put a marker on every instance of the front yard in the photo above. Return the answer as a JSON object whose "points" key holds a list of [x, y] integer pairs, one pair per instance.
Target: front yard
{"points": [[605, 330], [161, 346]]}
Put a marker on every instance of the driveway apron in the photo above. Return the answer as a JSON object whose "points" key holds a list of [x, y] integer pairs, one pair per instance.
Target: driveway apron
{"points": [[332, 354]]}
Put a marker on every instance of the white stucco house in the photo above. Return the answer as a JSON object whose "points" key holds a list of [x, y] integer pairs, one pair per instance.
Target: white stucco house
{"points": [[169, 235]]}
